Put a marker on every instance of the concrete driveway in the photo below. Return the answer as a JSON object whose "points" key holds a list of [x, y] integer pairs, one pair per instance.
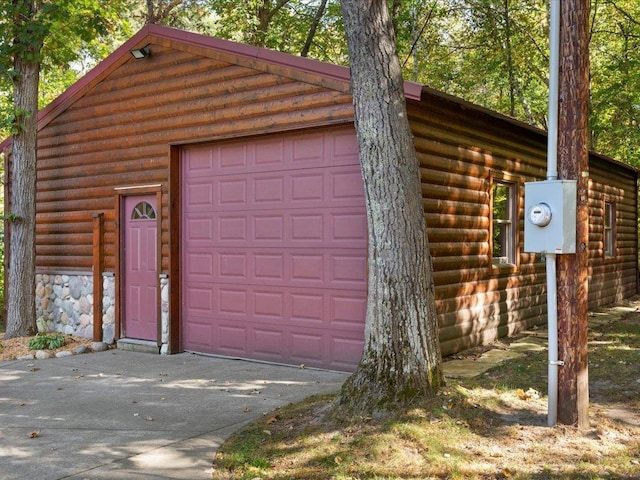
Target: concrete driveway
{"points": [[129, 415]]}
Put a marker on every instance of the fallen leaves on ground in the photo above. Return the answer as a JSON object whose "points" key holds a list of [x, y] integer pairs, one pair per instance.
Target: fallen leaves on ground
{"points": [[13, 348]]}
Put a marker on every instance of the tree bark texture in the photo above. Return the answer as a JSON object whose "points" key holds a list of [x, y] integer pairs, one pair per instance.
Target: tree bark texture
{"points": [[21, 314], [401, 358], [572, 270]]}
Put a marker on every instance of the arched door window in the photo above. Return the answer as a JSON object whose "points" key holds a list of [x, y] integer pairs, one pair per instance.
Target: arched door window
{"points": [[143, 211]]}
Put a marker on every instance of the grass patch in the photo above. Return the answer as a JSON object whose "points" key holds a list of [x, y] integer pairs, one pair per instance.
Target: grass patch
{"points": [[483, 428]]}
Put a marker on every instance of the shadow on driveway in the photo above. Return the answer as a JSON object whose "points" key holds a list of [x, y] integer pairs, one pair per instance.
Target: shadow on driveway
{"points": [[127, 415]]}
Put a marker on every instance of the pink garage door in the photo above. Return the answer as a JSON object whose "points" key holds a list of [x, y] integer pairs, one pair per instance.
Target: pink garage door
{"points": [[274, 249]]}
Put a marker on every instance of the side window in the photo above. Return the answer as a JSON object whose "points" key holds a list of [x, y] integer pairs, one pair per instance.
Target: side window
{"points": [[503, 223], [609, 233]]}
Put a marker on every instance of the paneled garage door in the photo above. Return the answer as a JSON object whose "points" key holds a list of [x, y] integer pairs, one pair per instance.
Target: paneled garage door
{"points": [[274, 249]]}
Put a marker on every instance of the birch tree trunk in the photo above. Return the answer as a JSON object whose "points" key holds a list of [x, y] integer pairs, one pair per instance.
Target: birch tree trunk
{"points": [[401, 358], [21, 313]]}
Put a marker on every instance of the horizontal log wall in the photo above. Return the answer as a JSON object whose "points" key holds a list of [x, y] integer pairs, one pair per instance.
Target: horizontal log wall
{"points": [[459, 150], [119, 134], [612, 279]]}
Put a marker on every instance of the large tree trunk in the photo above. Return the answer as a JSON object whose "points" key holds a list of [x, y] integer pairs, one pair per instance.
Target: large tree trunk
{"points": [[401, 358], [21, 313]]}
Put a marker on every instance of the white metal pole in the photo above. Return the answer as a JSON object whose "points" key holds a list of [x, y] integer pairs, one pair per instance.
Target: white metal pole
{"points": [[554, 85], [552, 174], [552, 327]]}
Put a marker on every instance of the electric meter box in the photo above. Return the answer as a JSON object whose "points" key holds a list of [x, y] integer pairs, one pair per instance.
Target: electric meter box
{"points": [[550, 216]]}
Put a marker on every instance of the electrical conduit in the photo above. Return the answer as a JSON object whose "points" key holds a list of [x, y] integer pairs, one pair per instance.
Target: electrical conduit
{"points": [[552, 174]]}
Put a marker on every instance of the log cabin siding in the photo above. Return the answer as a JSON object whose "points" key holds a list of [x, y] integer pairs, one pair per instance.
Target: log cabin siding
{"points": [[459, 151], [118, 135], [612, 279], [458, 157]]}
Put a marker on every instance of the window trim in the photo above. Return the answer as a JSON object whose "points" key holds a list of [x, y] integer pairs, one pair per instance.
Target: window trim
{"points": [[510, 262], [609, 232]]}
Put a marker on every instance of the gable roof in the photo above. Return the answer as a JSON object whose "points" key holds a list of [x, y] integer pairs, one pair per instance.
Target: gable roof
{"points": [[333, 76]]}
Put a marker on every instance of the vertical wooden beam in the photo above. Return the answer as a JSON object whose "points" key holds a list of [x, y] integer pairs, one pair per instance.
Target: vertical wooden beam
{"points": [[98, 267], [573, 164], [175, 342], [159, 266], [118, 260]]}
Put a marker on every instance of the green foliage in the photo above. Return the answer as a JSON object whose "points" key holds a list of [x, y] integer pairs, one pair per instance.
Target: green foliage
{"points": [[615, 79], [5, 109], [490, 52], [46, 341], [495, 53], [282, 26], [192, 15], [67, 37], [9, 217]]}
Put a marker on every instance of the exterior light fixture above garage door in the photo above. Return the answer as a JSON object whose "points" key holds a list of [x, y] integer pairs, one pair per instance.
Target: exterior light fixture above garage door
{"points": [[143, 52]]}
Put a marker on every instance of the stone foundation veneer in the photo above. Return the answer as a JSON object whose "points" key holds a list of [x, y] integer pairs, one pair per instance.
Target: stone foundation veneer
{"points": [[108, 307], [64, 304], [164, 313]]}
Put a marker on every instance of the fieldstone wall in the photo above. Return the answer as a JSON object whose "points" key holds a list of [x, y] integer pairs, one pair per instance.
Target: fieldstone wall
{"points": [[164, 312], [64, 304], [108, 307]]}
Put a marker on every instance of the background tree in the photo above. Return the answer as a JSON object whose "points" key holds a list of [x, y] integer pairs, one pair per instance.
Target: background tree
{"points": [[490, 52], [401, 358], [191, 15], [302, 27], [615, 79], [26, 37], [314, 28], [495, 53], [27, 30]]}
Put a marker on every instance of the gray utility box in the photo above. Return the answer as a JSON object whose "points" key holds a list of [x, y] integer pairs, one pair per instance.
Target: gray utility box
{"points": [[550, 216]]}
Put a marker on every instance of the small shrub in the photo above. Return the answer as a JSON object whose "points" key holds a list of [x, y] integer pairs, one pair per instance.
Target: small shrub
{"points": [[46, 341]]}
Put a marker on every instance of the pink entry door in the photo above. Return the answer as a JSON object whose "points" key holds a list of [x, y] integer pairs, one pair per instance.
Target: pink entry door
{"points": [[140, 316]]}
